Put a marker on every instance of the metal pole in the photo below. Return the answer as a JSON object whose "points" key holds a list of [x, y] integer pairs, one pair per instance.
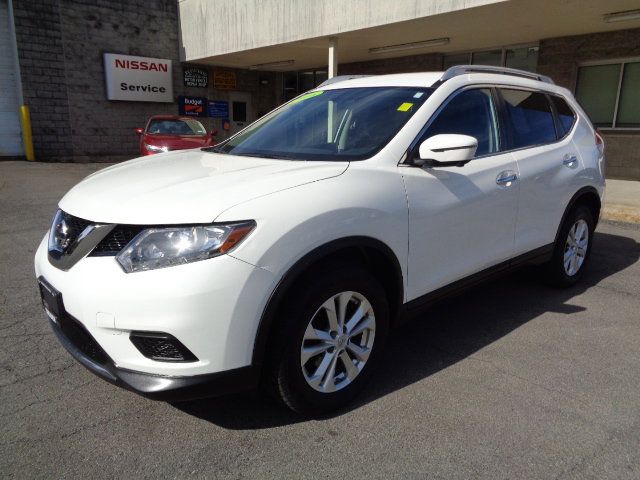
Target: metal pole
{"points": [[27, 137], [333, 58]]}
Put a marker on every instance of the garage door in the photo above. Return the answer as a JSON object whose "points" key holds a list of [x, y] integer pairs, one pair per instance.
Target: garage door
{"points": [[10, 138]]}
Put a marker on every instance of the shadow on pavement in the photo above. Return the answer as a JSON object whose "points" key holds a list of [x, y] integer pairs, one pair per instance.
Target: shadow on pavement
{"points": [[440, 336]]}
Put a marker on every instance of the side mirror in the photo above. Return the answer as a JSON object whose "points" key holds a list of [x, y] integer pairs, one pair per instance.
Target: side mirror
{"points": [[213, 133], [139, 131], [448, 150]]}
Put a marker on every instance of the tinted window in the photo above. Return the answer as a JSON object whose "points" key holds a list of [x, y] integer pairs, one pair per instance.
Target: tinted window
{"points": [[566, 116], [530, 118], [596, 91], [629, 105], [472, 113]]}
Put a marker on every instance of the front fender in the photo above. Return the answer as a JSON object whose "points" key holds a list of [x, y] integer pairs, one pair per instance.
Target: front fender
{"points": [[362, 202]]}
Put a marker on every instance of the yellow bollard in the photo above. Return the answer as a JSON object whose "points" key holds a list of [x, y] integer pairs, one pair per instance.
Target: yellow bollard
{"points": [[27, 137]]}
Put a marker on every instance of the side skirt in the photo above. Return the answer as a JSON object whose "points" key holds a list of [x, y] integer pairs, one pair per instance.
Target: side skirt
{"points": [[534, 257]]}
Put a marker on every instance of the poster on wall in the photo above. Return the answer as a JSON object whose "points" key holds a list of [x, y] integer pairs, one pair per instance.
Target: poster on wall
{"points": [[218, 109], [138, 79], [224, 79], [192, 106], [196, 77]]}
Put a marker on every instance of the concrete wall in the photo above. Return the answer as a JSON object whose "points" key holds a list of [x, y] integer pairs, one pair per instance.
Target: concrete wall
{"points": [[61, 43], [214, 27], [559, 58]]}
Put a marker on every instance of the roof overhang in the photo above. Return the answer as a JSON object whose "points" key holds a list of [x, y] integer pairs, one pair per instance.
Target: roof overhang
{"points": [[294, 34]]}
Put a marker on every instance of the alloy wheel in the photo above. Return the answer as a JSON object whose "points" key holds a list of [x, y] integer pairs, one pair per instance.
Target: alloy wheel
{"points": [[575, 249], [337, 342]]}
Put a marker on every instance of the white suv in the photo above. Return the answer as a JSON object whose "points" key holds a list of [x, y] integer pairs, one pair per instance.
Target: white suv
{"points": [[284, 255]]}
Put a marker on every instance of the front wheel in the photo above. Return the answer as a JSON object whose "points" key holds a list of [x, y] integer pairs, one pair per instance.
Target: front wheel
{"points": [[572, 249], [332, 333]]}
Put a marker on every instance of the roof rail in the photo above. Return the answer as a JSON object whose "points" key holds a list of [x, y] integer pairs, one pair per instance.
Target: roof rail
{"points": [[464, 69], [340, 78]]}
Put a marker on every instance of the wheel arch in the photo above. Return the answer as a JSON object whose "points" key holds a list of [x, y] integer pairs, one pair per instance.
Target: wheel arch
{"points": [[587, 196], [373, 254]]}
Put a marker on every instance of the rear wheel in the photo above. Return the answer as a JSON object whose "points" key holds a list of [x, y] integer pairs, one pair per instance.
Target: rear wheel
{"points": [[572, 249], [331, 337]]}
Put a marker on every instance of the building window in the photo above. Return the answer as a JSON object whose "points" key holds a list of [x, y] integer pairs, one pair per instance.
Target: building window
{"points": [[489, 57], [296, 83], [521, 57], [610, 93]]}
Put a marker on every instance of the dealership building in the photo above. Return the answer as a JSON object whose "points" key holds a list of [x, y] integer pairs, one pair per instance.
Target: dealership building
{"points": [[92, 71]]}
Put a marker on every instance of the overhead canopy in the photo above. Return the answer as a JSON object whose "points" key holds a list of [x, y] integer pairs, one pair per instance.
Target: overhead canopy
{"points": [[294, 34]]}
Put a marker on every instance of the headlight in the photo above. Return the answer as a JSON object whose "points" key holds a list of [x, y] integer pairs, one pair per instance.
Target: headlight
{"points": [[59, 238], [153, 148], [164, 247]]}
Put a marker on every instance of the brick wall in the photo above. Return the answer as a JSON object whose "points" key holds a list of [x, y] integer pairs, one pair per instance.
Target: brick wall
{"points": [[559, 58], [42, 67], [61, 45], [412, 63]]}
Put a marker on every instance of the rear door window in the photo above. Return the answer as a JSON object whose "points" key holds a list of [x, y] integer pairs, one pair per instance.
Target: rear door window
{"points": [[529, 118], [566, 116]]}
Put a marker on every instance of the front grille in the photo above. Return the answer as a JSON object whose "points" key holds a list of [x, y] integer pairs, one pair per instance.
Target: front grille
{"points": [[83, 341], [161, 346], [115, 241], [75, 226]]}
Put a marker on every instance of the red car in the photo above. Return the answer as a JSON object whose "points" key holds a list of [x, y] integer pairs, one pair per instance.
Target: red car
{"points": [[173, 132]]}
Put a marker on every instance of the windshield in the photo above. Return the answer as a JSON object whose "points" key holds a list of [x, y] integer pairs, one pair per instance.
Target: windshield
{"points": [[176, 127], [341, 124]]}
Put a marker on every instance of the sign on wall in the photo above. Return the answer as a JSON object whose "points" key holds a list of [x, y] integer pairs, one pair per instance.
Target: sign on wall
{"points": [[224, 80], [138, 79], [192, 106], [195, 77], [218, 109]]}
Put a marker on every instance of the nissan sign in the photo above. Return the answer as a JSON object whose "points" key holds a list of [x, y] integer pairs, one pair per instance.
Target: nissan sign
{"points": [[138, 79]]}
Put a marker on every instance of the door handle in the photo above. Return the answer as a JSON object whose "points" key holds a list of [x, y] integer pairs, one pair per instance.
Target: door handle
{"points": [[569, 160], [506, 178]]}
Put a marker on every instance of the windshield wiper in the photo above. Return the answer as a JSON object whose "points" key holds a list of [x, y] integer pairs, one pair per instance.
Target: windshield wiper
{"points": [[213, 149], [265, 155]]}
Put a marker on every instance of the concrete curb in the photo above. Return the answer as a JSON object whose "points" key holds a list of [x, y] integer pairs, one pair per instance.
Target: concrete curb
{"points": [[621, 213]]}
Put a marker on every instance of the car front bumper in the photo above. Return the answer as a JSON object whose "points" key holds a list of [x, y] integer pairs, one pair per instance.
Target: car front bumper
{"points": [[213, 307], [163, 387]]}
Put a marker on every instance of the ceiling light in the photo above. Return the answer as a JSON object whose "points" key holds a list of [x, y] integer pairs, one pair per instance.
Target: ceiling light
{"points": [[281, 63], [410, 46], [621, 16]]}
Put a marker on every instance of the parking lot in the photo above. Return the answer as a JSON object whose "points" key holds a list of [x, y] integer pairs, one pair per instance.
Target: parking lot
{"points": [[511, 380]]}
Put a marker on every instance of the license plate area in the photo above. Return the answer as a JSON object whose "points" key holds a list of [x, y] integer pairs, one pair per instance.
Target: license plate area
{"points": [[51, 300]]}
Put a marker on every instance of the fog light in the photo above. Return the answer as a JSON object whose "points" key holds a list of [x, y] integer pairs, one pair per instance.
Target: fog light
{"points": [[161, 347]]}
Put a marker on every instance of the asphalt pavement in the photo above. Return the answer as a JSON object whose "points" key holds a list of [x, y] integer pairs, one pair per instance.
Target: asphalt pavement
{"points": [[512, 379]]}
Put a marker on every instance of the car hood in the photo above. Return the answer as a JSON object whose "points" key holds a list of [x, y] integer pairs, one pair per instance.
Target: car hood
{"points": [[186, 186], [174, 142]]}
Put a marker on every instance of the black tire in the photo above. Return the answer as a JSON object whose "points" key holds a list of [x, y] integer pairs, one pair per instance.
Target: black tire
{"points": [[555, 272], [284, 374]]}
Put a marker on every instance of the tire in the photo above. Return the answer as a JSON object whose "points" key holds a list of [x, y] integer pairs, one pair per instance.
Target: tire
{"points": [[305, 384], [558, 271]]}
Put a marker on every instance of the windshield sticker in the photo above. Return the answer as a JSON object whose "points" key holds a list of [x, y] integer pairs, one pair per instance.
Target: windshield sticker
{"points": [[306, 96], [418, 94], [405, 107]]}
